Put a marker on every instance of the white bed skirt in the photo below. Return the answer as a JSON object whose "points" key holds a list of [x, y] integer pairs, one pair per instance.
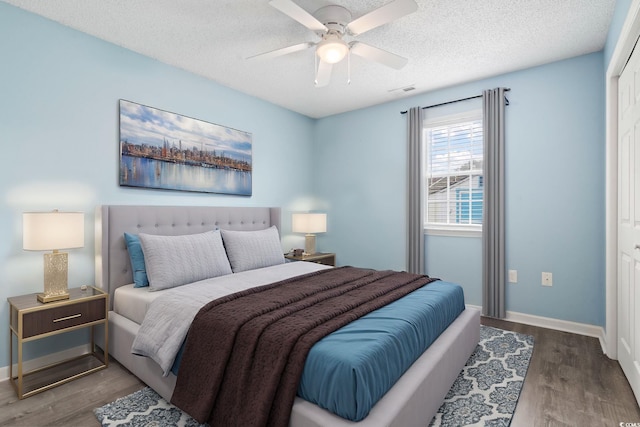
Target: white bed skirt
{"points": [[412, 401]]}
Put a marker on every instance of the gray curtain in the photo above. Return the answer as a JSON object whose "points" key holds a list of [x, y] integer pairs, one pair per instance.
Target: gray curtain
{"points": [[493, 241], [415, 237]]}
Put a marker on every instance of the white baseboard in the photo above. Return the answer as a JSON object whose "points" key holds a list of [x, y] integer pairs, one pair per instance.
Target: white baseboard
{"points": [[45, 360], [557, 324]]}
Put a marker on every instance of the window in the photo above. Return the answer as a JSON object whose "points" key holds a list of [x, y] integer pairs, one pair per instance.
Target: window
{"points": [[453, 175]]}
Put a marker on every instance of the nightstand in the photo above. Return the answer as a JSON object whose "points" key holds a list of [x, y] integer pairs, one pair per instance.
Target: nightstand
{"points": [[30, 320], [318, 257]]}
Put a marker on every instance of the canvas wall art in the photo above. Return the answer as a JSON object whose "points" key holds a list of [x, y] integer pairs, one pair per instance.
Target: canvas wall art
{"points": [[164, 150]]}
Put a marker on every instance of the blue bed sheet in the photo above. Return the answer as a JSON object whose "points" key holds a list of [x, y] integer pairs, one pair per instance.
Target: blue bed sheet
{"points": [[348, 371]]}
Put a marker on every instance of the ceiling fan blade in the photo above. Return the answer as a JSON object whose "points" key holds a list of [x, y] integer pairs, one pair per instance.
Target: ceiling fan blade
{"points": [[383, 15], [297, 13], [282, 51], [378, 55], [323, 74]]}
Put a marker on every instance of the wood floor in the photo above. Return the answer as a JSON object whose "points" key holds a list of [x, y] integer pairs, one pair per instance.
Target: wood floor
{"points": [[569, 383]]}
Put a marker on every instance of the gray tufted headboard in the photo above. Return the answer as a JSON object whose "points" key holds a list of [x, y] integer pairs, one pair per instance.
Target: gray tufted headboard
{"points": [[113, 268]]}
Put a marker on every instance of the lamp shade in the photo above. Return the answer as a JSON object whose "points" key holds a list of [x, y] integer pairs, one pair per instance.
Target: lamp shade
{"points": [[309, 223], [47, 231]]}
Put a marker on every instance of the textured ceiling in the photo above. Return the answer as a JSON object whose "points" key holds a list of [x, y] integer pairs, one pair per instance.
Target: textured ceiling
{"points": [[447, 42]]}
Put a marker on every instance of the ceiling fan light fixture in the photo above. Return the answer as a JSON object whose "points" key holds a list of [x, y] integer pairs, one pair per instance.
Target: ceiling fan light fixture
{"points": [[332, 49]]}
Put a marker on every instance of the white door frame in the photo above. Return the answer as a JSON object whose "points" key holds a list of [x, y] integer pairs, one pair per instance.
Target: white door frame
{"points": [[624, 47]]}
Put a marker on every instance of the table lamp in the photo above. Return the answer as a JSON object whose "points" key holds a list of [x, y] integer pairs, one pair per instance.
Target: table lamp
{"points": [[52, 231], [309, 223]]}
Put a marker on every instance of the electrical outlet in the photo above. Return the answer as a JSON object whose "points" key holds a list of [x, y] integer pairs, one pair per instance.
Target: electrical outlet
{"points": [[547, 279], [513, 276]]}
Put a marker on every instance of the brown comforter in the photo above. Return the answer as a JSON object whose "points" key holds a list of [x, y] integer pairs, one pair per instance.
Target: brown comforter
{"points": [[245, 353]]}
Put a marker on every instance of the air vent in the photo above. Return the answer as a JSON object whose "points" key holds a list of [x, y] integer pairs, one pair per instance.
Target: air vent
{"points": [[401, 91]]}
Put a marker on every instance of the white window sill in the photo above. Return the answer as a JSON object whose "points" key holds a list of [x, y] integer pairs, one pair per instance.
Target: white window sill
{"points": [[455, 231]]}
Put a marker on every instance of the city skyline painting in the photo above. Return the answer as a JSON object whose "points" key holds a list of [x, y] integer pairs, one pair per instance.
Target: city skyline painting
{"points": [[164, 150]]}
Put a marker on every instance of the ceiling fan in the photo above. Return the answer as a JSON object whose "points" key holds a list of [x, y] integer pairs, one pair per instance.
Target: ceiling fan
{"points": [[331, 23]]}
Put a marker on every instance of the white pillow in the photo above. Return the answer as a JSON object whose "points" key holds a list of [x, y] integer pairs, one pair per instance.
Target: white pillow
{"points": [[177, 260], [248, 250]]}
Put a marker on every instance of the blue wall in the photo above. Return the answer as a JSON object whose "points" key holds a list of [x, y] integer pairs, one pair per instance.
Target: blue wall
{"points": [[59, 92], [554, 200]]}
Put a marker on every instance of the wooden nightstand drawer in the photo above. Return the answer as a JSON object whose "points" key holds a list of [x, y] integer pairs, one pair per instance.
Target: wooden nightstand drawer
{"points": [[44, 321], [327, 260]]}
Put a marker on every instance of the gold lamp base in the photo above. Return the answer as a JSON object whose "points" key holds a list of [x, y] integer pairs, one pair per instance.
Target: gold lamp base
{"points": [[51, 298], [55, 277], [309, 244]]}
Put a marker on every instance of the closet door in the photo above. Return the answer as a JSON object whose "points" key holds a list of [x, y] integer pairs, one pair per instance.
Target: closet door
{"points": [[629, 221]]}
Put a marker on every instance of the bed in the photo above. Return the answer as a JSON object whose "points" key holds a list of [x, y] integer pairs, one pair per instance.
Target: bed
{"points": [[413, 399]]}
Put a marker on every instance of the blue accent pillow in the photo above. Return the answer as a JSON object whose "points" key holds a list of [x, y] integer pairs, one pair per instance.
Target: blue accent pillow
{"points": [[136, 256]]}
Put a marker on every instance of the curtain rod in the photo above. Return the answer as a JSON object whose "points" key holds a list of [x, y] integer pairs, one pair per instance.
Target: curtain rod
{"points": [[457, 100]]}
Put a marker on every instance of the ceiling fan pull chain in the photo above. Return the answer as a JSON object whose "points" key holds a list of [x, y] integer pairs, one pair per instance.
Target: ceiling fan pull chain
{"points": [[315, 67], [349, 67]]}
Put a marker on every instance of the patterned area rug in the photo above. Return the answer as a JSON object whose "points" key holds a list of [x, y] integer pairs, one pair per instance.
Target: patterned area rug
{"points": [[484, 394], [487, 390], [144, 408]]}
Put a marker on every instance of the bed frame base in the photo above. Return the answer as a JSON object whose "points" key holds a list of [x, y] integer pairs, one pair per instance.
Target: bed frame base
{"points": [[412, 401]]}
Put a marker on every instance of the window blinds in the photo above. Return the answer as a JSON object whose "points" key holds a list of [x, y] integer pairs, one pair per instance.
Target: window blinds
{"points": [[454, 167]]}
